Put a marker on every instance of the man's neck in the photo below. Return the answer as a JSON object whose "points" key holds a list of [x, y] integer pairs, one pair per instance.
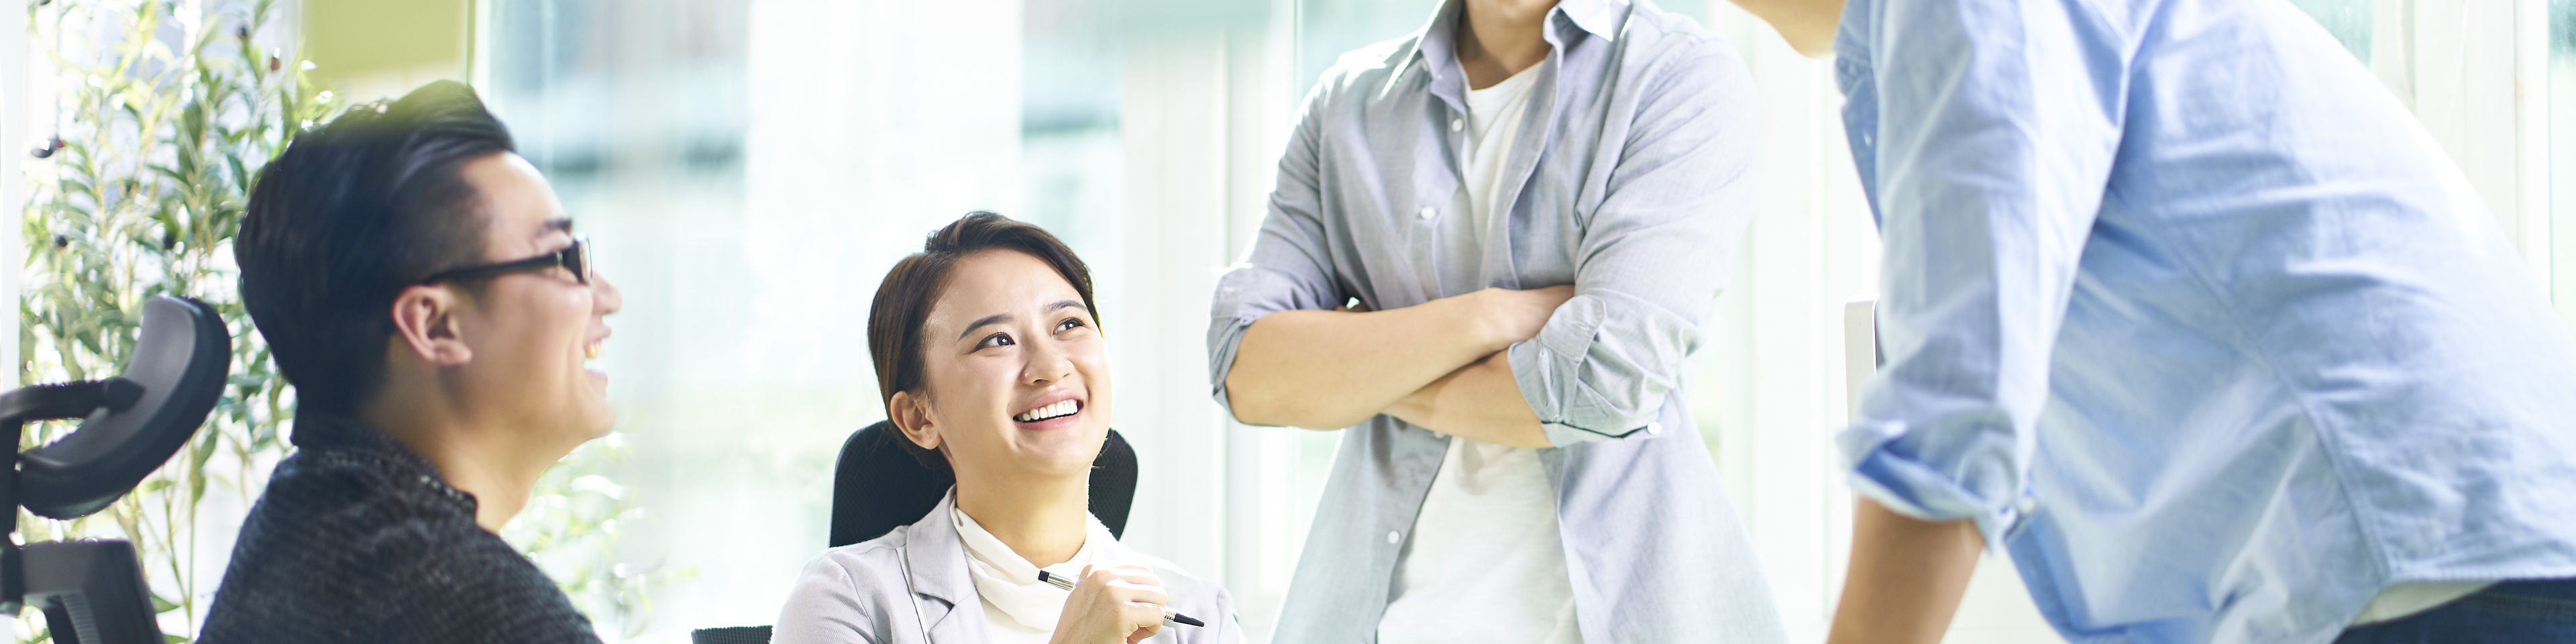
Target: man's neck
{"points": [[498, 476], [1499, 38], [1044, 522]]}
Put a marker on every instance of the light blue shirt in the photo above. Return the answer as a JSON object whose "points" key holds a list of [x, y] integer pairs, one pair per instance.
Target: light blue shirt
{"points": [[2185, 311], [1633, 185]]}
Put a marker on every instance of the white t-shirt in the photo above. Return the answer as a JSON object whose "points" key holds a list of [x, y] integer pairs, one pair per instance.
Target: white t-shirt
{"points": [[1485, 562], [1493, 128], [2406, 599]]}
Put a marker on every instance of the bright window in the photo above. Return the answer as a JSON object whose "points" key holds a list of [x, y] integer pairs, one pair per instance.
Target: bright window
{"points": [[2561, 125], [2350, 21]]}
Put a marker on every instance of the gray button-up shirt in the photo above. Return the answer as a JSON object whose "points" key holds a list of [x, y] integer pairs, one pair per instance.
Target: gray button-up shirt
{"points": [[1633, 187]]}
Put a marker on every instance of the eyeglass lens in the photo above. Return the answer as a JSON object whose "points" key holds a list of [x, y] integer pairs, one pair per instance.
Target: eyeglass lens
{"points": [[577, 258]]}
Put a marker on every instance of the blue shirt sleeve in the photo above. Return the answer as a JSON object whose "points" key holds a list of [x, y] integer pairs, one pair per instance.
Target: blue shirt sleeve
{"points": [[1996, 126], [1289, 266], [1653, 255]]}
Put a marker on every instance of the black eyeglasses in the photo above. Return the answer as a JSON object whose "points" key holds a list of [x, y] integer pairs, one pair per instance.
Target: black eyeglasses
{"points": [[575, 258]]}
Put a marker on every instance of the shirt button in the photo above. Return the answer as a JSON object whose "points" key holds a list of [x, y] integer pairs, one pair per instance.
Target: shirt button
{"points": [[1427, 212], [1394, 537], [1457, 124], [2027, 506]]}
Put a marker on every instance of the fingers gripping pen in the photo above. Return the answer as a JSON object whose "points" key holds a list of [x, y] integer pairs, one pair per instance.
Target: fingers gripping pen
{"points": [[1168, 615]]}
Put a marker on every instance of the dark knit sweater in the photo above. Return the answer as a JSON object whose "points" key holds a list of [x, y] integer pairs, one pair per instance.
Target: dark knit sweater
{"points": [[359, 539]]}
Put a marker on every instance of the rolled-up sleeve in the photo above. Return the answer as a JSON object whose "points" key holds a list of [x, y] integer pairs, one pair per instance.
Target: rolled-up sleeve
{"points": [[1288, 267], [1996, 126], [1652, 258]]}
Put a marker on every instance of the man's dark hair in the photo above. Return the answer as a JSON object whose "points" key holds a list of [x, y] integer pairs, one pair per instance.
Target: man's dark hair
{"points": [[347, 217], [903, 301]]}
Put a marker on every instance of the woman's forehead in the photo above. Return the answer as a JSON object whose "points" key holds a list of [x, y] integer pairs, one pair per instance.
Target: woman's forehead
{"points": [[997, 282]]}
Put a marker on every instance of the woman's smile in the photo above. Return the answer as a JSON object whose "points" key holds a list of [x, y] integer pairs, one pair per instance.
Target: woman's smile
{"points": [[1062, 411], [1021, 386]]}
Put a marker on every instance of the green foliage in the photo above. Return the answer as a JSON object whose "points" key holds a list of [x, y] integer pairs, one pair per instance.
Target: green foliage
{"points": [[166, 116], [570, 527], [169, 113]]}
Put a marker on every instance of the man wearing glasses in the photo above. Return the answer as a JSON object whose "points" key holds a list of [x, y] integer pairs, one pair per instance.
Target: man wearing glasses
{"points": [[419, 285]]}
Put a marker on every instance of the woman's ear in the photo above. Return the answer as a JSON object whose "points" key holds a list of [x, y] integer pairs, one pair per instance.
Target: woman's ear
{"points": [[425, 322], [911, 415]]}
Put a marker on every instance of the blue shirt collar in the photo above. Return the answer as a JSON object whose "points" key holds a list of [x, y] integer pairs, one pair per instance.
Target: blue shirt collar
{"points": [[1597, 17], [1436, 46]]}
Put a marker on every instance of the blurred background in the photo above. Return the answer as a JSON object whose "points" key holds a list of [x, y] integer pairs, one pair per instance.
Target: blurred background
{"points": [[750, 168]]}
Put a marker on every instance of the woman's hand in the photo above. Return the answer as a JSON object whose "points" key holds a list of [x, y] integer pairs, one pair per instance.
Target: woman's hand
{"points": [[1118, 604]]}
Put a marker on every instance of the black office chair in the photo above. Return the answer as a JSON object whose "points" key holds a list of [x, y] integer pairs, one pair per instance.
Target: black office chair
{"points": [[92, 590], [877, 487]]}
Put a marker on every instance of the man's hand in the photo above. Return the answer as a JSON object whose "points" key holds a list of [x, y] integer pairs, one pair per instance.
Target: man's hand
{"points": [[1482, 400], [1114, 605], [1508, 316], [1334, 369]]}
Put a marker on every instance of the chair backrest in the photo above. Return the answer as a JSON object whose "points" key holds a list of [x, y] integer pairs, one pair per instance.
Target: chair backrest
{"points": [[93, 591], [179, 362], [878, 486], [730, 635]]}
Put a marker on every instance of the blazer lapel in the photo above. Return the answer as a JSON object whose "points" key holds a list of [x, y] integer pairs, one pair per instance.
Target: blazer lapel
{"points": [[941, 587]]}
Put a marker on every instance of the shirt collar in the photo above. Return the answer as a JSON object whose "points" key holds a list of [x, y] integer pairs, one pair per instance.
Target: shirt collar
{"points": [[1598, 17], [331, 436], [1436, 46], [1010, 583]]}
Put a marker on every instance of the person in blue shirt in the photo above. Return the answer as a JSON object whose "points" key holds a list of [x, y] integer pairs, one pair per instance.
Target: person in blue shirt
{"points": [[2187, 314]]}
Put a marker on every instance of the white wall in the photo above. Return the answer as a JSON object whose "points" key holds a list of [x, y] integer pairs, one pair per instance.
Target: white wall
{"points": [[2474, 72], [740, 363], [1774, 384], [21, 108]]}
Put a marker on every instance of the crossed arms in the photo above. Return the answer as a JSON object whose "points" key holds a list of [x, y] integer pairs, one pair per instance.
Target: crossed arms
{"points": [[1650, 246], [1433, 365]]}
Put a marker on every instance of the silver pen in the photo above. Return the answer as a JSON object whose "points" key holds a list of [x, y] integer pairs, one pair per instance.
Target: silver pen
{"points": [[1060, 582]]}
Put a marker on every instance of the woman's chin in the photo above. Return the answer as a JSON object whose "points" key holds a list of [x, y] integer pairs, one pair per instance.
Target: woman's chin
{"points": [[1061, 450]]}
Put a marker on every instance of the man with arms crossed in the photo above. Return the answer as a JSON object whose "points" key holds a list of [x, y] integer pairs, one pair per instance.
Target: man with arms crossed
{"points": [[2187, 313], [421, 287], [1533, 204]]}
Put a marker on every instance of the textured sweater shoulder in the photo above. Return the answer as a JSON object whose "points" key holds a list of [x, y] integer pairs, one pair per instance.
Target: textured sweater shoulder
{"points": [[359, 539]]}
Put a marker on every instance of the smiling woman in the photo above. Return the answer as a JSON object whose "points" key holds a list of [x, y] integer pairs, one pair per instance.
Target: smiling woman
{"points": [[913, 299], [991, 364]]}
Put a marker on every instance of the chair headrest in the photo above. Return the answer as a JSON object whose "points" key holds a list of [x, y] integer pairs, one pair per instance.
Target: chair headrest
{"points": [[878, 486], [179, 366]]}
